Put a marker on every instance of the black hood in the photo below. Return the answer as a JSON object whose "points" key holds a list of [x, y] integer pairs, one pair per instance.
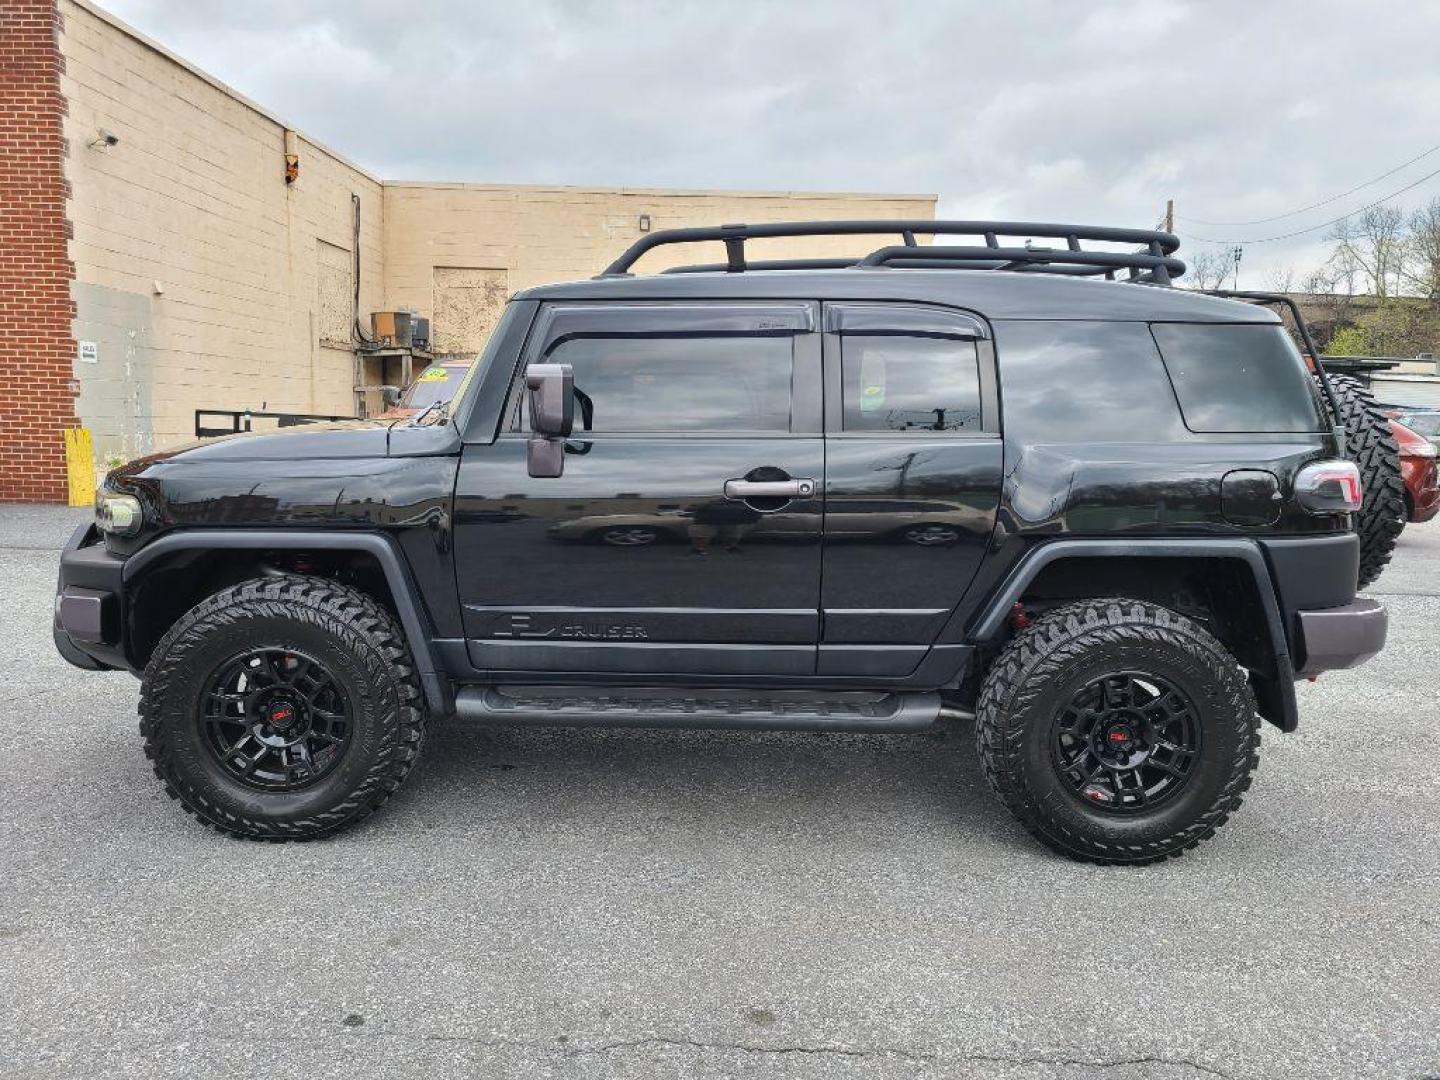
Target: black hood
{"points": [[347, 439]]}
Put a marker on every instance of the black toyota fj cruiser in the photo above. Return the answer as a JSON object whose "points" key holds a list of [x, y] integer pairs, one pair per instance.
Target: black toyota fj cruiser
{"points": [[1111, 520]]}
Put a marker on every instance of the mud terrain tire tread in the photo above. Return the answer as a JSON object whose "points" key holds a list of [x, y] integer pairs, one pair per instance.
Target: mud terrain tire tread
{"points": [[358, 624], [1039, 655], [1370, 444]]}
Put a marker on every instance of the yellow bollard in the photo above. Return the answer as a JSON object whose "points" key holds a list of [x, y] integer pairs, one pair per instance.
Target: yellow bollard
{"points": [[80, 466]]}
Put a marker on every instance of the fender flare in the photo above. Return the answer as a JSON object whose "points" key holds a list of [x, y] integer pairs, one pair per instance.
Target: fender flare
{"points": [[1275, 696], [414, 622]]}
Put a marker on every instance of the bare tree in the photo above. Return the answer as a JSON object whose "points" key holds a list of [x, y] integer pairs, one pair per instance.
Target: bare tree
{"points": [[1422, 270], [1209, 269], [1371, 249], [1281, 279]]}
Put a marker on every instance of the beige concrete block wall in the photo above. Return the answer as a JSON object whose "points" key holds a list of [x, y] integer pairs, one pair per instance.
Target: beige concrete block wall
{"points": [[193, 200], [205, 281], [536, 235]]}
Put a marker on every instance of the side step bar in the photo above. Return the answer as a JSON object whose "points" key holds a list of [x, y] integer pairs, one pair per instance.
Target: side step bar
{"points": [[776, 710]]}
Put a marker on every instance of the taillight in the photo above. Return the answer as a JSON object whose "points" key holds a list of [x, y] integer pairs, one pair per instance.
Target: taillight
{"points": [[1329, 487]]}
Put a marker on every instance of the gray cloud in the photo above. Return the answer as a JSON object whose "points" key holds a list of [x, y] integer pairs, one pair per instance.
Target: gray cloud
{"points": [[1036, 109]]}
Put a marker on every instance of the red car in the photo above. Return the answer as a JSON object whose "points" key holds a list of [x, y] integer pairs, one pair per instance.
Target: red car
{"points": [[1417, 469]]}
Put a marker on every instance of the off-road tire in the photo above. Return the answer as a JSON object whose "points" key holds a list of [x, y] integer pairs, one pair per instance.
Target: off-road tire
{"points": [[345, 629], [1370, 443], [1040, 668]]}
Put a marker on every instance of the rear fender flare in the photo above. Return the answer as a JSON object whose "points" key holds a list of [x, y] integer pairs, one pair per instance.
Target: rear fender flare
{"points": [[1276, 694]]}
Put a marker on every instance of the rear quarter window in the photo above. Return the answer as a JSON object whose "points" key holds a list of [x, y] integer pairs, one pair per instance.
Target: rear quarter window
{"points": [[1084, 382], [1237, 377]]}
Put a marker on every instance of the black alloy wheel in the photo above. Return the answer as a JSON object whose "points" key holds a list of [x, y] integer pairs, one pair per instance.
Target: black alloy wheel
{"points": [[284, 707], [276, 719], [1117, 730], [1127, 742]]}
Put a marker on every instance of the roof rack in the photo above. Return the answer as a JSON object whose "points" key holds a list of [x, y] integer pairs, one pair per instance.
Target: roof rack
{"points": [[1153, 263]]}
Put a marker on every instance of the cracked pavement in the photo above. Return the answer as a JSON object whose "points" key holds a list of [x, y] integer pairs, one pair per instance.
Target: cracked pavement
{"points": [[632, 904]]}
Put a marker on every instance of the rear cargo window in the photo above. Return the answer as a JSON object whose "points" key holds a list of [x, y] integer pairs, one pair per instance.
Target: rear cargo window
{"points": [[1237, 377]]}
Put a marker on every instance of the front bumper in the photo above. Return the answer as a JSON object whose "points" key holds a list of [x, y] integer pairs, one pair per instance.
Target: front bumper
{"points": [[1341, 637], [87, 627]]}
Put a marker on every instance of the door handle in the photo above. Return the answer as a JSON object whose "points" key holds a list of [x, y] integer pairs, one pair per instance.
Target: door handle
{"points": [[769, 489]]}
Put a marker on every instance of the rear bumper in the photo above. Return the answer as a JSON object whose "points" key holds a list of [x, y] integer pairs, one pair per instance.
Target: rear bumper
{"points": [[1327, 626], [1341, 637], [87, 623]]}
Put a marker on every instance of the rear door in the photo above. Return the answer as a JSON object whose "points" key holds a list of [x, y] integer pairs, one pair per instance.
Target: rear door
{"points": [[912, 483], [684, 536]]}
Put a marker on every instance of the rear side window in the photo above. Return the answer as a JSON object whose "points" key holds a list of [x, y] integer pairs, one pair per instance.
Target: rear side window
{"points": [[897, 382], [1236, 378]]}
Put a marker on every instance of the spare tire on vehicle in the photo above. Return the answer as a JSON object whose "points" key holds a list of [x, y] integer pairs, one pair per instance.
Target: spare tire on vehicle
{"points": [[1370, 443]]}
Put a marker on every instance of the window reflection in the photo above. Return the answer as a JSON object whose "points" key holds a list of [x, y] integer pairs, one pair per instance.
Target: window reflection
{"points": [[688, 384], [898, 383]]}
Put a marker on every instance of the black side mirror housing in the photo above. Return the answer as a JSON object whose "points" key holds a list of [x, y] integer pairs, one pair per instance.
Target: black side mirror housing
{"points": [[552, 416], [391, 395]]}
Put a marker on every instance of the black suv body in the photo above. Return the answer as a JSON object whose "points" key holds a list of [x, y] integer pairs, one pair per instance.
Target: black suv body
{"points": [[1109, 518]]}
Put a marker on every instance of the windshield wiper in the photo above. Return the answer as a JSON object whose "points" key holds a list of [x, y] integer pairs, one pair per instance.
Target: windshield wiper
{"points": [[442, 406]]}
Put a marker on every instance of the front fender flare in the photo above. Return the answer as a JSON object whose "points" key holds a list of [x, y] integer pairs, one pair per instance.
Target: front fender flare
{"points": [[414, 621]]}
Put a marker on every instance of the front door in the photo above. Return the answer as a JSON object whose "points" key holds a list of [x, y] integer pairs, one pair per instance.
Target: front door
{"points": [[683, 537]]}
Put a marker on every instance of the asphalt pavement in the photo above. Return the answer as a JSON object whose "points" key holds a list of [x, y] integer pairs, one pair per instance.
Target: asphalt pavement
{"points": [[622, 904]]}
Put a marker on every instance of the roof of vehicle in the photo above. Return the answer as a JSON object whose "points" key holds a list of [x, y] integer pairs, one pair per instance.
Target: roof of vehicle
{"points": [[1016, 295]]}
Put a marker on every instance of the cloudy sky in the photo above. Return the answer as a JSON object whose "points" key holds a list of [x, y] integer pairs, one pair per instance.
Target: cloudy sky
{"points": [[1092, 112]]}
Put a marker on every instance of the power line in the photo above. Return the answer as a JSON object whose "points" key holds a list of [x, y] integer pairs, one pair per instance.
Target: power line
{"points": [[1322, 202], [1322, 225]]}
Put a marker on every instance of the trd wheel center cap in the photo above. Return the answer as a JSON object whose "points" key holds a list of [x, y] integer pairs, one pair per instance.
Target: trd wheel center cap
{"points": [[1120, 742], [282, 716], [1118, 737], [281, 721]]}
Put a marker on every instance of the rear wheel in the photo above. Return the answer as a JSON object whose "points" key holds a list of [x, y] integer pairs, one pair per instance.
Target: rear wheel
{"points": [[1117, 731], [282, 708], [1370, 443]]}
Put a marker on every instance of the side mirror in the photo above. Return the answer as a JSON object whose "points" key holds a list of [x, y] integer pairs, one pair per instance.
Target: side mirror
{"points": [[391, 395], [552, 414]]}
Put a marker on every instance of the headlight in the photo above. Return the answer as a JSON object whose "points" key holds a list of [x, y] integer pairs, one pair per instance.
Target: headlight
{"points": [[118, 515]]}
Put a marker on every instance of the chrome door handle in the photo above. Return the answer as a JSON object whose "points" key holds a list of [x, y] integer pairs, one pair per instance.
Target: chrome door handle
{"points": [[769, 489]]}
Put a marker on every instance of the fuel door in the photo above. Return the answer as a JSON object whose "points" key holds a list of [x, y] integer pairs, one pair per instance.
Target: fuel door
{"points": [[1250, 497]]}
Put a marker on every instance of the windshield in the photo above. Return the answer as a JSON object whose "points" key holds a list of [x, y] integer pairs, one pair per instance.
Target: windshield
{"points": [[434, 385]]}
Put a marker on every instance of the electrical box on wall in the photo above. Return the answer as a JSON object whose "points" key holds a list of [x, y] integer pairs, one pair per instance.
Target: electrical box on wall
{"points": [[392, 328]]}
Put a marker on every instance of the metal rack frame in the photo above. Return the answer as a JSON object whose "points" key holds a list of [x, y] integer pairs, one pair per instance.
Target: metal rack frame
{"points": [[1153, 263]]}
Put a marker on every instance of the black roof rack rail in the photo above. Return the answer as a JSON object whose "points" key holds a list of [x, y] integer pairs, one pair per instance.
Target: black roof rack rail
{"points": [[1152, 264]]}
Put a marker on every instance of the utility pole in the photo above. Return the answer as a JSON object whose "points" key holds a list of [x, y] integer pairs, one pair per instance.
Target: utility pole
{"points": [[1170, 215], [1235, 253]]}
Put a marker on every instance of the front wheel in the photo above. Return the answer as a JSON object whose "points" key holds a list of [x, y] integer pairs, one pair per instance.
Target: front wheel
{"points": [[282, 708], [1117, 731]]}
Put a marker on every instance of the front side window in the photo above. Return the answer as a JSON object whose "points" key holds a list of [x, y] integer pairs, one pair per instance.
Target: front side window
{"points": [[911, 383], [645, 384]]}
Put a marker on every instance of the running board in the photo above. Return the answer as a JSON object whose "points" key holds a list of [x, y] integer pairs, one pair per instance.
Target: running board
{"points": [[775, 710]]}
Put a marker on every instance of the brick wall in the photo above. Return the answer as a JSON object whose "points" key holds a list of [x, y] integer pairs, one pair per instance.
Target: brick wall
{"points": [[36, 402]]}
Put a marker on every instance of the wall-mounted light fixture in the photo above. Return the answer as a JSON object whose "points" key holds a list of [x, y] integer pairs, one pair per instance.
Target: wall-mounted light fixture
{"points": [[644, 222]]}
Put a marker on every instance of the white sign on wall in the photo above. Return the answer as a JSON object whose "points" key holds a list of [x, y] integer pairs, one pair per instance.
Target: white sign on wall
{"points": [[89, 352]]}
